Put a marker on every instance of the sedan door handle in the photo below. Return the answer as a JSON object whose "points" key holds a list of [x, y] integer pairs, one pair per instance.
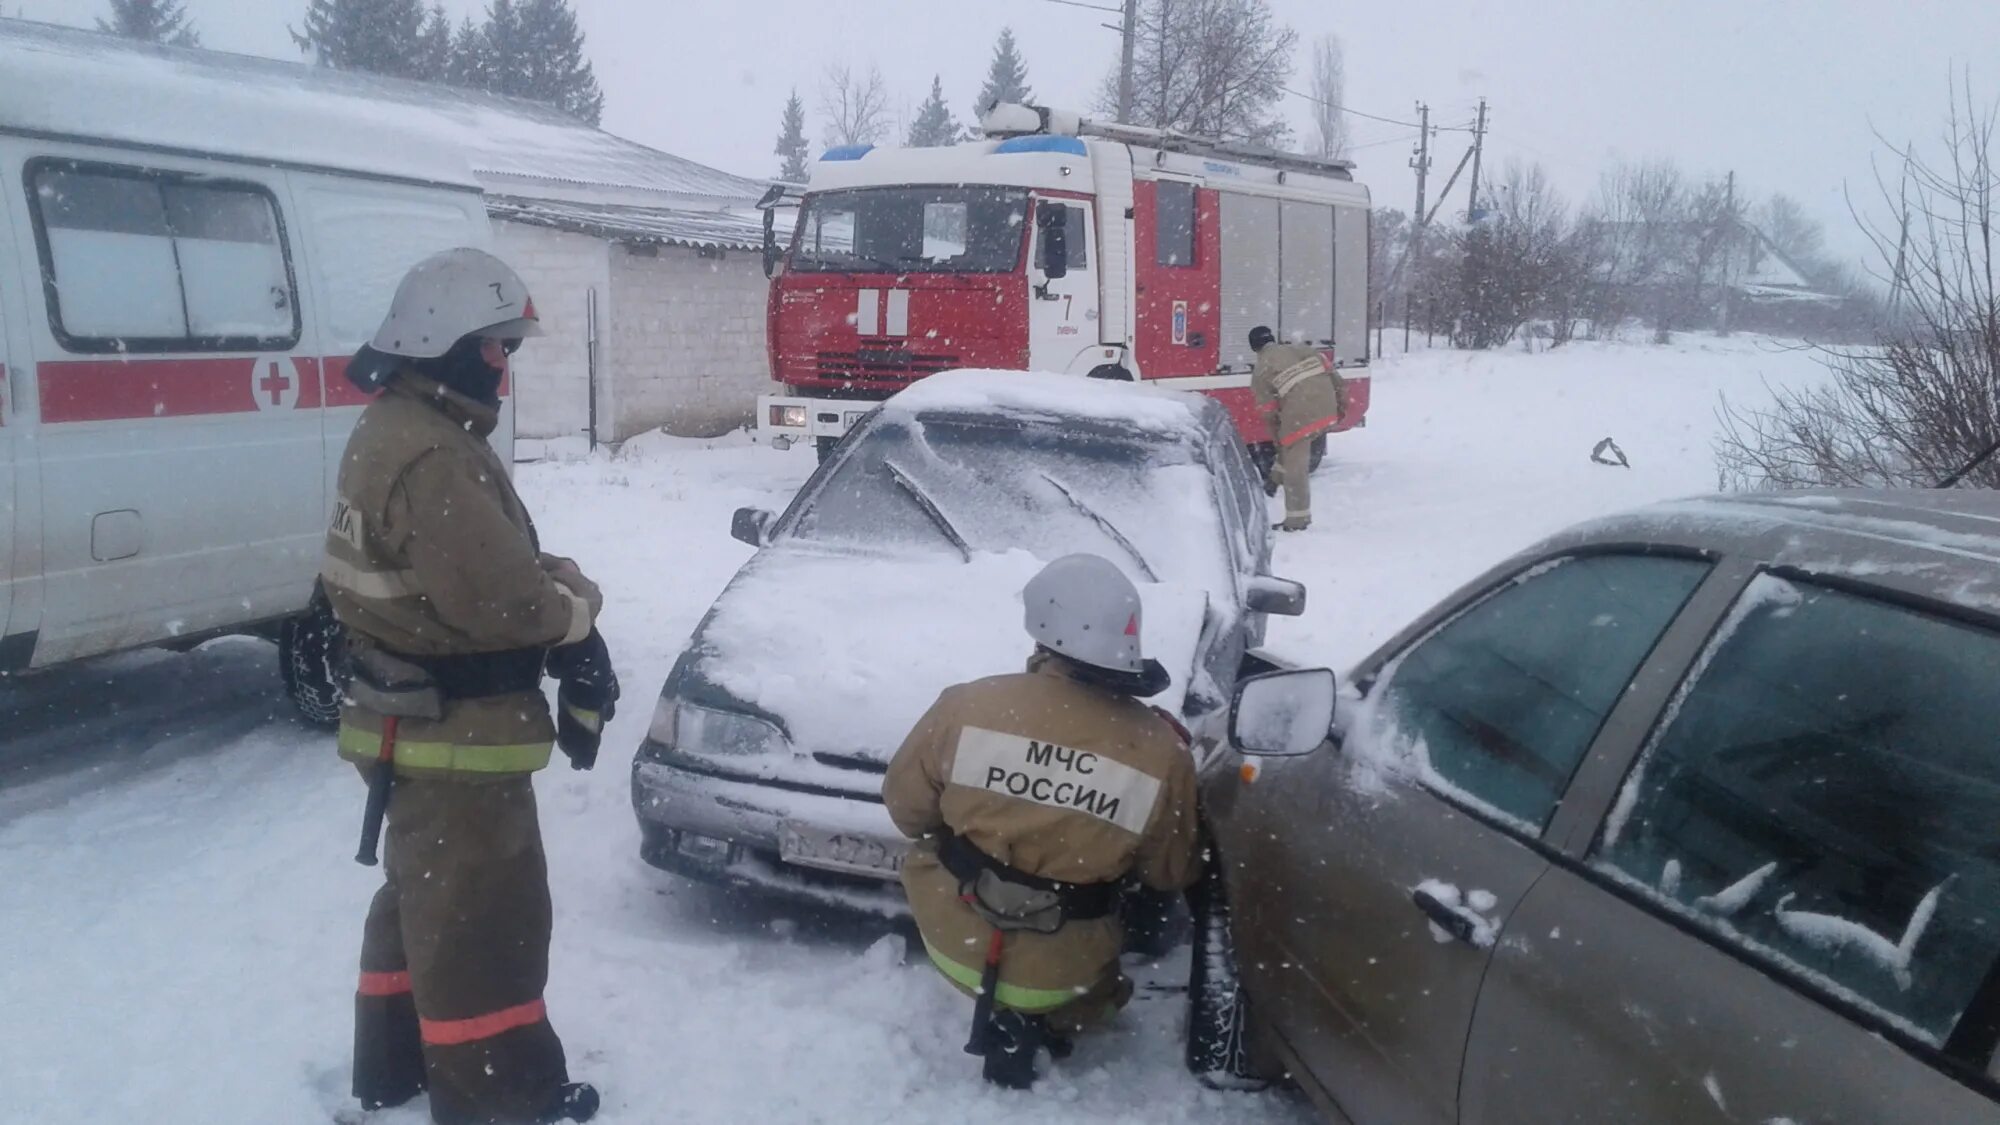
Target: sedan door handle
{"points": [[1451, 919]]}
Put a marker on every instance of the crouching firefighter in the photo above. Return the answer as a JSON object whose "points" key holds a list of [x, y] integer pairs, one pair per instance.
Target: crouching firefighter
{"points": [[1300, 398], [1031, 797], [452, 616]]}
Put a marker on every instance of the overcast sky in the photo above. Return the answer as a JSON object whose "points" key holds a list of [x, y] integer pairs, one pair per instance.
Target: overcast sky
{"points": [[1786, 93]]}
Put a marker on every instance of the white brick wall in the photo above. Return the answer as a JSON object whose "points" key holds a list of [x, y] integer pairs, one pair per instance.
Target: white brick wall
{"points": [[551, 372], [687, 347]]}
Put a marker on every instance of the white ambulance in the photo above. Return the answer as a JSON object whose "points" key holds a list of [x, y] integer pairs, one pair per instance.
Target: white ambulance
{"points": [[191, 246]]}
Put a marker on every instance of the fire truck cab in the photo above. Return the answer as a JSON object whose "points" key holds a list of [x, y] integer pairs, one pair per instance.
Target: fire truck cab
{"points": [[1061, 244]]}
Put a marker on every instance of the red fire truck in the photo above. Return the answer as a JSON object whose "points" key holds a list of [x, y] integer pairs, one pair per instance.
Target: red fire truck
{"points": [[1062, 244]]}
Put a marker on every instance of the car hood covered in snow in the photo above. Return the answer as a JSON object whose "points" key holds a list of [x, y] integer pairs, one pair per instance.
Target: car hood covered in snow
{"points": [[846, 650]]}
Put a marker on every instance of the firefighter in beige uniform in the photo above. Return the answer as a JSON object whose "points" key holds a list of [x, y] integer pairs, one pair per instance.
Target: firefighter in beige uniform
{"points": [[1030, 798], [451, 614], [1300, 398]]}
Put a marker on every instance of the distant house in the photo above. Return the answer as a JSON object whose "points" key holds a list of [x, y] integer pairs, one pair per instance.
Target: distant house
{"points": [[644, 266]]}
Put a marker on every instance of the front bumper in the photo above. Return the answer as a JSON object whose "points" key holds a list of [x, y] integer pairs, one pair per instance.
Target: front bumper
{"points": [[729, 830], [785, 419]]}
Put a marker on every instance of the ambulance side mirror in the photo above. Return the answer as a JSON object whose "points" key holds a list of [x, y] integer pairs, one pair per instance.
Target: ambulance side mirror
{"points": [[1053, 221], [770, 242], [751, 525], [1283, 714]]}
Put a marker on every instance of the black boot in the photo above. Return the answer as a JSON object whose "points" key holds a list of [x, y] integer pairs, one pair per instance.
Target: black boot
{"points": [[1010, 1050], [574, 1101]]}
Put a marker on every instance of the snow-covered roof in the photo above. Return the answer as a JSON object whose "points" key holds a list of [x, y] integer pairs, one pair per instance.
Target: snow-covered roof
{"points": [[973, 390], [74, 83], [718, 229]]}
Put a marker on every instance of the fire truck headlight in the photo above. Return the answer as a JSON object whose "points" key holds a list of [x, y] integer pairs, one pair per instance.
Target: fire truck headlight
{"points": [[793, 417]]}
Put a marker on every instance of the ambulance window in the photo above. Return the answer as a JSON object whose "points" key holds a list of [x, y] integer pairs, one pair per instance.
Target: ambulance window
{"points": [[142, 261], [1173, 224]]}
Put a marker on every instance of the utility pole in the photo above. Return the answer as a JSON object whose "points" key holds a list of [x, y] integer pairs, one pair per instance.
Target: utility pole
{"points": [[1733, 232], [1421, 160], [1128, 31], [1478, 147]]}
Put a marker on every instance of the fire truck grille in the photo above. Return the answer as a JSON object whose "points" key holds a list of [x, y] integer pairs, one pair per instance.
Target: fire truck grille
{"points": [[882, 363]]}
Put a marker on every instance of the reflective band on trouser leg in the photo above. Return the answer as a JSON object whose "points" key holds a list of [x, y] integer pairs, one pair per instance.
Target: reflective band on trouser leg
{"points": [[358, 745], [451, 1033], [384, 984], [1032, 1000]]}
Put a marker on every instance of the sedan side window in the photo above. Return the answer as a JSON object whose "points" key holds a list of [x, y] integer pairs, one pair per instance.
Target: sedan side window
{"points": [[1823, 798], [1501, 703]]}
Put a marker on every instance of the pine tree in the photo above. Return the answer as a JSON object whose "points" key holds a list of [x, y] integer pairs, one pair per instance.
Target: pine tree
{"points": [[792, 141], [934, 125], [154, 21], [470, 57], [1006, 79], [436, 48], [536, 52], [380, 36]]}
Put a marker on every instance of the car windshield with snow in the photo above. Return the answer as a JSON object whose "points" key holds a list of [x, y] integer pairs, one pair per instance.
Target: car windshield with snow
{"points": [[1704, 793], [897, 572]]}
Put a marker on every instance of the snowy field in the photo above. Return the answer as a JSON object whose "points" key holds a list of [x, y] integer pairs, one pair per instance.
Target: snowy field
{"points": [[180, 916]]}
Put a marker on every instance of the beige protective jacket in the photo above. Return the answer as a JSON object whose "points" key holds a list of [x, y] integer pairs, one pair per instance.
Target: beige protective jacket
{"points": [[1054, 777], [431, 553], [1295, 384]]}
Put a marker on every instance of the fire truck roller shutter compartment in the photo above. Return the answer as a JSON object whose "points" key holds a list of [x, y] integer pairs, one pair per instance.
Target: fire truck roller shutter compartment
{"points": [[1305, 306], [1111, 165], [1350, 275], [1250, 241]]}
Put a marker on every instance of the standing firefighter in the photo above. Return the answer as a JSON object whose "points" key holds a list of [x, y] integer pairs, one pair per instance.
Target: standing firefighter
{"points": [[1031, 798], [452, 614], [1301, 398]]}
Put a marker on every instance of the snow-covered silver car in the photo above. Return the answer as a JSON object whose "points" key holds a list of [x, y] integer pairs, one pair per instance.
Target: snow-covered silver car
{"points": [[897, 571], [1686, 815]]}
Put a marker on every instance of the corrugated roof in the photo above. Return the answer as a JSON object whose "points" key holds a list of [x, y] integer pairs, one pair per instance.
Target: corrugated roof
{"points": [[80, 83], [719, 229]]}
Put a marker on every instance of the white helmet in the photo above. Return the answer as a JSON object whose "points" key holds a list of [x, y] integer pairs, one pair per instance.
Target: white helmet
{"points": [[443, 299], [1084, 608]]}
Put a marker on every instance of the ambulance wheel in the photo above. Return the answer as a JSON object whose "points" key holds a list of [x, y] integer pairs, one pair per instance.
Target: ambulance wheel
{"points": [[1218, 1025], [1318, 453], [309, 649], [825, 447], [1111, 371]]}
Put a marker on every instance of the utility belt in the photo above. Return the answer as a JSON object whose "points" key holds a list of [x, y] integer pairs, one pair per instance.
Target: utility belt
{"points": [[1012, 899], [418, 687]]}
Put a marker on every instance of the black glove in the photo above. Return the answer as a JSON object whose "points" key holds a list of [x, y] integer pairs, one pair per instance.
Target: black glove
{"points": [[586, 699]]}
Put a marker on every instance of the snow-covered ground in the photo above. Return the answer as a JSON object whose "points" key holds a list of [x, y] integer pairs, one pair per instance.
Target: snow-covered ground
{"points": [[179, 916]]}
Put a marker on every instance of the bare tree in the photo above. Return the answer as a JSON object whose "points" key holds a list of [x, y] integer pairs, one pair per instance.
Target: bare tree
{"points": [[1329, 91], [1515, 265], [855, 107], [1795, 234], [1921, 405], [1211, 67]]}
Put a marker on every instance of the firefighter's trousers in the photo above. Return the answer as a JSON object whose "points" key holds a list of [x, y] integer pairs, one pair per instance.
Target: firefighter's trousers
{"points": [[455, 955], [1293, 472]]}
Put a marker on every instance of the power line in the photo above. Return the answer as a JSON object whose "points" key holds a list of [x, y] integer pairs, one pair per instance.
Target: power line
{"points": [[1358, 113], [1092, 7]]}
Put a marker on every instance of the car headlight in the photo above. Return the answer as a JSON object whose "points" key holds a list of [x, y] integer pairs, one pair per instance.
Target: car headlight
{"points": [[695, 729], [789, 416]]}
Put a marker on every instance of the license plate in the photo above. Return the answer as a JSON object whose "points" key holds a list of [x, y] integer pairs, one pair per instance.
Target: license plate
{"points": [[839, 851]]}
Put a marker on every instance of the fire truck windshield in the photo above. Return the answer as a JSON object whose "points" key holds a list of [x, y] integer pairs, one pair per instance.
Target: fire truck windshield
{"points": [[912, 230]]}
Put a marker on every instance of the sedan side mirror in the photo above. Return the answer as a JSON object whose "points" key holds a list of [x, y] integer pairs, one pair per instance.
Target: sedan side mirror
{"points": [[751, 525], [1281, 596], [1283, 714]]}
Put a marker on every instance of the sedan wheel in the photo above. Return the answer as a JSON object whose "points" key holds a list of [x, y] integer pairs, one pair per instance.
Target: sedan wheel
{"points": [[1218, 1033]]}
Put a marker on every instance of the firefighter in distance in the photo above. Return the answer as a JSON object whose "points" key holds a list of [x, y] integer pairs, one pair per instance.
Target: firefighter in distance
{"points": [[1301, 398]]}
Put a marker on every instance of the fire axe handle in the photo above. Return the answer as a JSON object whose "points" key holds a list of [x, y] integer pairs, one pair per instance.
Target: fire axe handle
{"points": [[381, 780], [981, 1040]]}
